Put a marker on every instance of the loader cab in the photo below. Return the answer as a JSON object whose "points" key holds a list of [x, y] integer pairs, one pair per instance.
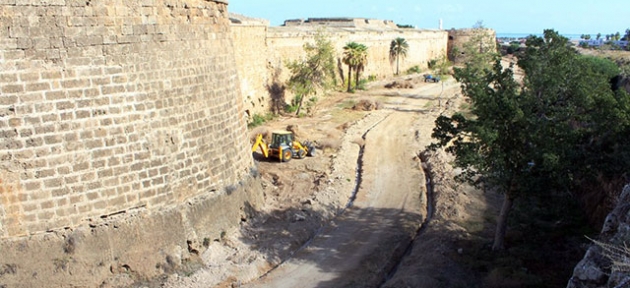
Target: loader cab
{"points": [[281, 139]]}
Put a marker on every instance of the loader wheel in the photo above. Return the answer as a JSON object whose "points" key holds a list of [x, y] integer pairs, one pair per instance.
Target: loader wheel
{"points": [[311, 151], [301, 154], [287, 155]]}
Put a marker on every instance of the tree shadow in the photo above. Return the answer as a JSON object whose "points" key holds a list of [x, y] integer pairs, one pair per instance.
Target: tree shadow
{"points": [[361, 239], [276, 92]]}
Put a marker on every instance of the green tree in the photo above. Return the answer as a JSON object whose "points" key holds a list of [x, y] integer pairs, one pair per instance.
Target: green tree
{"points": [[398, 48], [480, 51], [316, 71], [350, 59], [599, 36], [355, 56], [601, 66], [491, 145], [362, 61], [544, 136], [440, 67], [617, 36]]}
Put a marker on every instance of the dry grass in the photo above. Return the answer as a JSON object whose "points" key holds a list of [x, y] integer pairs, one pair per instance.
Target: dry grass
{"points": [[619, 255]]}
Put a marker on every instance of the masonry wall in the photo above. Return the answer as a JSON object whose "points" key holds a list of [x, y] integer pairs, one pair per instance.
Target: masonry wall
{"points": [[282, 44], [252, 62], [113, 105], [457, 38], [123, 139]]}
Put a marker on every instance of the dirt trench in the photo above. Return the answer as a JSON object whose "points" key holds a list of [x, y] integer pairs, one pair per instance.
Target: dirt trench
{"points": [[346, 217]]}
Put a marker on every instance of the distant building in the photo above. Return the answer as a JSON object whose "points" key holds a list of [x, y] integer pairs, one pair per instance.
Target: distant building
{"points": [[600, 42]]}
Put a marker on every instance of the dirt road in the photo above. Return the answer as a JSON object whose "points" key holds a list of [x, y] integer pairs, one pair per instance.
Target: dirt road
{"points": [[305, 230], [361, 246], [387, 209]]}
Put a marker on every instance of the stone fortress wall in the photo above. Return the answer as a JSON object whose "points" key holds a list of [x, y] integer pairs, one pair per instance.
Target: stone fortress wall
{"points": [[458, 37], [112, 107], [123, 137], [263, 51]]}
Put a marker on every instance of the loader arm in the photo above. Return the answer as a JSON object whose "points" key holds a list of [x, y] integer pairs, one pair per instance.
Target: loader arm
{"points": [[263, 146]]}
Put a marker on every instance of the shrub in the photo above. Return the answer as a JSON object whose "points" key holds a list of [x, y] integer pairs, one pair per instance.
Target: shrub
{"points": [[258, 119], [414, 70], [513, 48], [362, 84]]}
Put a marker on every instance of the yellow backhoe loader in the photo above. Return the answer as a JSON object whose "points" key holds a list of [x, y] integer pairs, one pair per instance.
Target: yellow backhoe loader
{"points": [[283, 146]]}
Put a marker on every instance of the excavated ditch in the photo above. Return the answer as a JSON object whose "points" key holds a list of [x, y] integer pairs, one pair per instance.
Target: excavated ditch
{"points": [[353, 196], [430, 211]]}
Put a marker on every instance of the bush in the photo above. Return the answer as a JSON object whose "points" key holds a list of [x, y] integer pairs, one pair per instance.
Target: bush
{"points": [[362, 84], [513, 48], [258, 119], [414, 70]]}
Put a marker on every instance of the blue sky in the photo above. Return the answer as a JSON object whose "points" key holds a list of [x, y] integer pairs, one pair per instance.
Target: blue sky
{"points": [[507, 16]]}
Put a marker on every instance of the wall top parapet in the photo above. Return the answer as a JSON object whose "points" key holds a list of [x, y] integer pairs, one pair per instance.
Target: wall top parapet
{"points": [[238, 19], [340, 29], [341, 22]]}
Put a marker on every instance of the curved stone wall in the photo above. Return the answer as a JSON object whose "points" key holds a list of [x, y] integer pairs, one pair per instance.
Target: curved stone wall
{"points": [[113, 105], [458, 37]]}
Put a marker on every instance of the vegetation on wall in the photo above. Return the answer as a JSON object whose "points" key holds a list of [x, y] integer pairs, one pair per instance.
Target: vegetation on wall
{"points": [[405, 26], [315, 72]]}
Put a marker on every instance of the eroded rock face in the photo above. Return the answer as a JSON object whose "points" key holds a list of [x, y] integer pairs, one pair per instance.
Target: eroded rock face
{"points": [[596, 268], [620, 82]]}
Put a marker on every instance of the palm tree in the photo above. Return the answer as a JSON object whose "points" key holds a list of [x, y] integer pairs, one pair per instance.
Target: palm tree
{"points": [[398, 48], [361, 62], [350, 59]]}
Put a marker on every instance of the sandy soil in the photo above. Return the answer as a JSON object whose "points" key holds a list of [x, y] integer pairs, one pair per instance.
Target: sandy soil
{"points": [[346, 217]]}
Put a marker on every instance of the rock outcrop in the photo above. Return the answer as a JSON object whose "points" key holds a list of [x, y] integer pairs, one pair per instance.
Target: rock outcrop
{"points": [[606, 262]]}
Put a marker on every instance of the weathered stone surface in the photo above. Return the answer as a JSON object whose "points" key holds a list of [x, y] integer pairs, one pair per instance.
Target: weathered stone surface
{"points": [[122, 125], [141, 243], [594, 270], [166, 106]]}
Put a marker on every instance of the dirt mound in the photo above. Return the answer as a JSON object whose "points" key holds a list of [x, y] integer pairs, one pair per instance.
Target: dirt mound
{"points": [[400, 85], [366, 105], [295, 129]]}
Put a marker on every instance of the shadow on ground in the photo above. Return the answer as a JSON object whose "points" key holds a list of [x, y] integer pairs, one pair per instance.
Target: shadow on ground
{"points": [[338, 241]]}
